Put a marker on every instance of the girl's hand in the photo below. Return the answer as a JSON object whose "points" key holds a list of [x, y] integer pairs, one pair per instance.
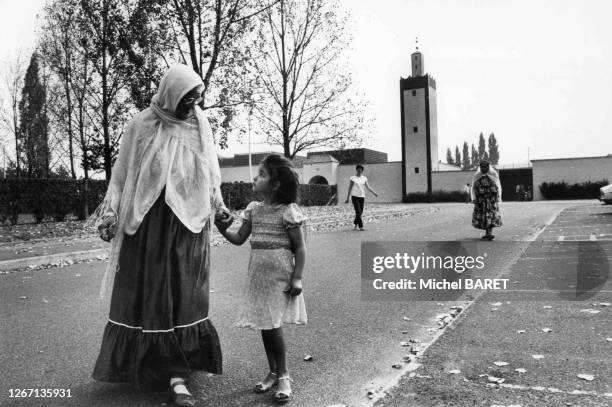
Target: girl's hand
{"points": [[223, 219], [295, 287], [346, 200]]}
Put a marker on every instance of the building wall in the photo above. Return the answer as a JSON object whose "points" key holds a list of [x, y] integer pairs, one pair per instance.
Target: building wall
{"points": [[433, 127], [570, 170], [385, 178], [241, 173], [329, 170], [451, 180], [415, 143]]}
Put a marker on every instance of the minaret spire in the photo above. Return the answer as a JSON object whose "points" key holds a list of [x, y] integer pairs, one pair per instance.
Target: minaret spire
{"points": [[417, 61]]}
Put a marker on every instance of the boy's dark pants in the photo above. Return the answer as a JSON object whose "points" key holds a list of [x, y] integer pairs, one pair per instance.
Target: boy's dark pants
{"points": [[358, 204]]}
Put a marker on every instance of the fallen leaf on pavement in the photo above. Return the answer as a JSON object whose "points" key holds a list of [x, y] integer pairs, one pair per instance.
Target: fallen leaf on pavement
{"points": [[609, 339], [406, 319], [494, 309], [604, 304], [404, 343], [308, 358], [590, 311], [407, 359], [521, 370], [498, 380], [501, 363], [454, 371], [547, 330], [537, 356], [23, 297], [547, 307], [396, 366], [587, 377], [520, 331], [496, 304]]}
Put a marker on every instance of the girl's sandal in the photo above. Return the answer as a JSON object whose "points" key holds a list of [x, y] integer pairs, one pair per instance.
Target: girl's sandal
{"points": [[266, 384], [283, 396], [181, 399]]}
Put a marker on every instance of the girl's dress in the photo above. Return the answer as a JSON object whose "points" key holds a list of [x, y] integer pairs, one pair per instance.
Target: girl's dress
{"points": [[265, 304], [158, 321], [486, 207]]}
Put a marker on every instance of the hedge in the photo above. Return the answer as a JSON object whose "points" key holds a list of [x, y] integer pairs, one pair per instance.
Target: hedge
{"points": [[563, 190], [58, 197], [435, 196]]}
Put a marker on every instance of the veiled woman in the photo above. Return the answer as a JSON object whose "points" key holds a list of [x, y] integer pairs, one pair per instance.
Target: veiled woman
{"points": [[486, 195], [164, 189]]}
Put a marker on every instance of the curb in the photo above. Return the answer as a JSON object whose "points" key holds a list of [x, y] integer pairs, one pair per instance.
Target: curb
{"points": [[31, 262]]}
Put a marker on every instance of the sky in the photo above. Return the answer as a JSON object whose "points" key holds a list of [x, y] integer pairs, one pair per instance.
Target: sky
{"points": [[538, 73]]}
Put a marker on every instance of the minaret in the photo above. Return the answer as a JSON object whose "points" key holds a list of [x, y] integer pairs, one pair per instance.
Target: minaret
{"points": [[419, 127]]}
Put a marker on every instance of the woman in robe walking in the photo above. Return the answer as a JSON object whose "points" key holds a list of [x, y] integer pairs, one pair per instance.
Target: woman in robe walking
{"points": [[486, 195], [164, 189]]}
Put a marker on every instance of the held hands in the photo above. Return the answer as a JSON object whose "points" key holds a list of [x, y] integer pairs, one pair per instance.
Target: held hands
{"points": [[108, 228], [295, 287], [223, 219]]}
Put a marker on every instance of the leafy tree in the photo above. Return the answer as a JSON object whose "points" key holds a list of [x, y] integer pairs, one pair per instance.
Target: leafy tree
{"points": [[475, 158], [449, 157], [493, 149], [33, 118], [466, 157], [482, 148], [457, 157]]}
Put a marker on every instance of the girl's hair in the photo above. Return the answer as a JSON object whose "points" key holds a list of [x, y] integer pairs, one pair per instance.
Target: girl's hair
{"points": [[282, 170], [359, 166]]}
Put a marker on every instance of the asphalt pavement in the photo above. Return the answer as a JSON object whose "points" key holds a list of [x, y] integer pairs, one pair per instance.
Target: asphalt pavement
{"points": [[52, 324]]}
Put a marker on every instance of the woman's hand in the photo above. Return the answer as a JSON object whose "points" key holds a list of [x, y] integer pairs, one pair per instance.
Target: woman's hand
{"points": [[295, 287], [346, 200], [107, 228], [223, 219]]}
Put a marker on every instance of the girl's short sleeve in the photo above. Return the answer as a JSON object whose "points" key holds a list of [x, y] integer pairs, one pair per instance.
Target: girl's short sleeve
{"points": [[293, 216], [246, 214]]}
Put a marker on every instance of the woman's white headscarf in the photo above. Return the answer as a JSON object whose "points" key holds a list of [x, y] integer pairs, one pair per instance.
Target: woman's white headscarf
{"points": [[493, 175], [158, 150]]}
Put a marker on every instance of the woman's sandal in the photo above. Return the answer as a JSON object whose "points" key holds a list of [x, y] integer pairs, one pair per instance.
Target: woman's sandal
{"points": [[266, 384], [181, 399], [283, 396]]}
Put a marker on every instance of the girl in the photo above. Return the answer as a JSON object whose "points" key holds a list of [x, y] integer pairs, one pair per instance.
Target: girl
{"points": [[273, 293], [357, 194], [486, 195]]}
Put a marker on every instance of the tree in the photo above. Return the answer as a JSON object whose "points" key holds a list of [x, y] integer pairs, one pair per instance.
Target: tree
{"points": [[33, 130], [307, 100], [475, 159], [57, 48], [493, 149], [449, 157], [482, 148], [457, 157], [466, 157], [12, 81]]}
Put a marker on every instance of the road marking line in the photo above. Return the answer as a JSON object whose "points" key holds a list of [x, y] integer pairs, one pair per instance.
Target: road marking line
{"points": [[548, 223], [561, 238], [592, 237]]}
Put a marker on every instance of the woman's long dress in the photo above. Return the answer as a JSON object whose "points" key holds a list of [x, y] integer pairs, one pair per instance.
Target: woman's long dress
{"points": [[486, 207], [158, 323]]}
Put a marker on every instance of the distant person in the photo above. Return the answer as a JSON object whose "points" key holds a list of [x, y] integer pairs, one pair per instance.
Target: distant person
{"points": [[528, 195], [520, 192], [273, 293], [467, 190], [356, 192], [486, 195]]}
